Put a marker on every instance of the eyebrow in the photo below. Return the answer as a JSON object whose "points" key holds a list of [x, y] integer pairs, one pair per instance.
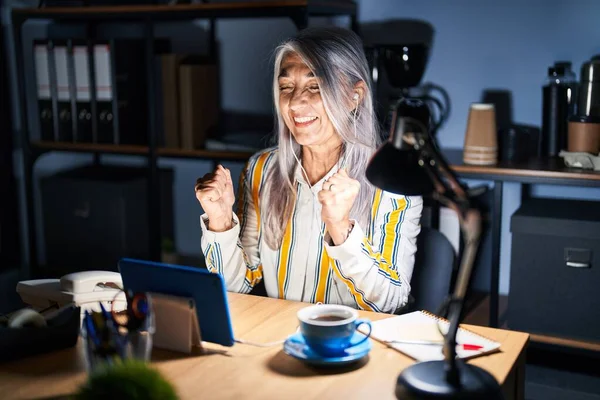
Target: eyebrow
{"points": [[284, 74]]}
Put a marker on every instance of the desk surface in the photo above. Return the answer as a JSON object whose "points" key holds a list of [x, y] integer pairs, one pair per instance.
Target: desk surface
{"points": [[543, 171], [246, 372]]}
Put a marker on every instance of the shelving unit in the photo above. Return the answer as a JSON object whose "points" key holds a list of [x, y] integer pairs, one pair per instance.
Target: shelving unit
{"points": [[41, 147], [299, 11]]}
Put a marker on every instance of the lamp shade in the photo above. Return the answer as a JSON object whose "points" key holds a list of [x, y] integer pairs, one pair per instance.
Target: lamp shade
{"points": [[395, 165], [398, 171]]}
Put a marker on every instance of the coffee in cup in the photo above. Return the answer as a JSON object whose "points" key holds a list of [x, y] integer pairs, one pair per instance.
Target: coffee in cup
{"points": [[328, 328]]}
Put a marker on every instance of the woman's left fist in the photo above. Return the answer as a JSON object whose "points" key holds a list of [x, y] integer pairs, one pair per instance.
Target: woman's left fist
{"points": [[337, 197]]}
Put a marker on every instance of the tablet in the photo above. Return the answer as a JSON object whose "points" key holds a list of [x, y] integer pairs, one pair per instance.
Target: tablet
{"points": [[206, 288]]}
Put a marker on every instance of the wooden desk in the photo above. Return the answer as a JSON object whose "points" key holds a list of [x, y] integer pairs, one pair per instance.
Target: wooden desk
{"points": [[246, 372], [550, 171]]}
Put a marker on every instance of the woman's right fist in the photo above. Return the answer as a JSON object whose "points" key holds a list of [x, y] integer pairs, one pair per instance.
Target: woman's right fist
{"points": [[214, 191]]}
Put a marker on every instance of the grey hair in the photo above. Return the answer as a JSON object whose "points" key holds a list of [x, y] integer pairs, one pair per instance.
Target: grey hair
{"points": [[336, 57]]}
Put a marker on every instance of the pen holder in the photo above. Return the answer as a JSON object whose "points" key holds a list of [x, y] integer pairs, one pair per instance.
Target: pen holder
{"points": [[107, 343], [140, 341]]}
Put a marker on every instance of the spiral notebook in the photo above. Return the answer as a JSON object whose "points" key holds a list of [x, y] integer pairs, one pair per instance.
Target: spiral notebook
{"points": [[422, 326]]}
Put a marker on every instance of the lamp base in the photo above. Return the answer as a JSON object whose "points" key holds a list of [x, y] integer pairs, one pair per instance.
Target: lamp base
{"points": [[427, 380]]}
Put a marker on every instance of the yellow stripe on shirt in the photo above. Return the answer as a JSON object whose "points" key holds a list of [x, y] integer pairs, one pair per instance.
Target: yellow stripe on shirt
{"points": [[256, 179], [359, 296], [253, 276], [391, 230], [383, 264], [211, 259], [284, 252], [374, 211], [323, 272]]}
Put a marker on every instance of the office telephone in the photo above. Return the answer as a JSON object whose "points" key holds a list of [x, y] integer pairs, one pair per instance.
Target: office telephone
{"points": [[84, 289]]}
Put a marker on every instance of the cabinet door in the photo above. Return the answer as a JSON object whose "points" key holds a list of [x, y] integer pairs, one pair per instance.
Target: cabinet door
{"points": [[84, 225]]}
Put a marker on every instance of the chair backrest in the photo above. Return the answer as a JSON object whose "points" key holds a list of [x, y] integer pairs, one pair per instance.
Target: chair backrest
{"points": [[433, 270]]}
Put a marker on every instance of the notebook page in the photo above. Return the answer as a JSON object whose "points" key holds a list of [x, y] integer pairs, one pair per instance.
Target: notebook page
{"points": [[419, 325]]}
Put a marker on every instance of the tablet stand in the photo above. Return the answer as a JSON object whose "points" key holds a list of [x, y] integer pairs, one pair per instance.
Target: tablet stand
{"points": [[177, 326]]}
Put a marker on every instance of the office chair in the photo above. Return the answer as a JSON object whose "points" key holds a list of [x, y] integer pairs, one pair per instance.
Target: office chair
{"points": [[433, 271]]}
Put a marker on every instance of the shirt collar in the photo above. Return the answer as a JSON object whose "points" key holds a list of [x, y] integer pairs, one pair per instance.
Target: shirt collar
{"points": [[299, 176]]}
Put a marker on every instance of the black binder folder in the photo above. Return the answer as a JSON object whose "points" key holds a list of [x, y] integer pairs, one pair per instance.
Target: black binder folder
{"points": [[63, 90], [104, 113], [83, 106], [41, 53], [121, 90]]}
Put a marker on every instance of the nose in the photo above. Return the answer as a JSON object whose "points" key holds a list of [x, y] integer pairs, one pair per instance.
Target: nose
{"points": [[298, 100]]}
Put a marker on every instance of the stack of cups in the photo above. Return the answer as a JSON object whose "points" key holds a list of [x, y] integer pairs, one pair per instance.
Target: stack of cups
{"points": [[481, 139]]}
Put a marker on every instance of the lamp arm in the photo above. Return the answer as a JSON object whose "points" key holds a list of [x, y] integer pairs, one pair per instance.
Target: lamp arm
{"points": [[470, 225], [450, 193], [441, 171]]}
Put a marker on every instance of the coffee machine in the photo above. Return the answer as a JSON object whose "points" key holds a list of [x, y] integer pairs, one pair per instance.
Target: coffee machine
{"points": [[398, 51]]}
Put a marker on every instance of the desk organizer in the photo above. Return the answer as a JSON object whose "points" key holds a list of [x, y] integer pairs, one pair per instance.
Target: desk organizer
{"points": [[61, 332]]}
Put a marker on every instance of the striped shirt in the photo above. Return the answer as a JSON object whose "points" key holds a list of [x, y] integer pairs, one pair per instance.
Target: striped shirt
{"points": [[371, 270]]}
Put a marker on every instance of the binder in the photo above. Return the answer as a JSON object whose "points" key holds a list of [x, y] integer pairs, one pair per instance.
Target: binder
{"points": [[198, 101], [115, 109], [41, 51], [121, 90], [103, 73], [130, 91], [170, 95], [63, 90], [83, 106]]}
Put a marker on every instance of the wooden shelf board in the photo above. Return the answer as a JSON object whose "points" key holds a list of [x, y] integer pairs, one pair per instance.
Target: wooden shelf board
{"points": [[552, 168], [91, 147], [141, 150], [574, 173], [558, 341], [480, 316], [203, 153], [325, 7]]}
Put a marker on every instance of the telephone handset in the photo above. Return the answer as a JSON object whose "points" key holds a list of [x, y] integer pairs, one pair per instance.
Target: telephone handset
{"points": [[90, 281], [85, 289]]}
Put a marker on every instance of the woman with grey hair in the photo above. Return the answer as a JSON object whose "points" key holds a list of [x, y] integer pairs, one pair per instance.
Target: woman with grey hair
{"points": [[308, 223]]}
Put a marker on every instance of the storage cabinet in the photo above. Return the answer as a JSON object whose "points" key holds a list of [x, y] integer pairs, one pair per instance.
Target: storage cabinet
{"points": [[555, 269], [95, 215]]}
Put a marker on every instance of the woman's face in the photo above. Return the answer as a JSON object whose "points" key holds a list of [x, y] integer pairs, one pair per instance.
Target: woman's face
{"points": [[301, 105]]}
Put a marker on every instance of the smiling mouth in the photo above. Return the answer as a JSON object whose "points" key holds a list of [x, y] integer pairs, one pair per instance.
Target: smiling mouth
{"points": [[304, 121]]}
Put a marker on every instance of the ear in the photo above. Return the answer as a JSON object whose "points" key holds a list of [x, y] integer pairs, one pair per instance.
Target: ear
{"points": [[360, 89]]}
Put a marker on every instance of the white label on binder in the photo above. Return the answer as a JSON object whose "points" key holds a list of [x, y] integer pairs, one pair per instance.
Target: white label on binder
{"points": [[62, 73], [42, 71], [103, 72], [82, 73]]}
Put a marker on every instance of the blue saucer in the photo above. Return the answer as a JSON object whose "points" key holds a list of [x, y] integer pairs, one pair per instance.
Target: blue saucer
{"points": [[296, 347]]}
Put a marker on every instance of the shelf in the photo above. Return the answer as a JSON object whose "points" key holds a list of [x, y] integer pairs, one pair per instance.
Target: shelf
{"points": [[89, 147], [205, 154], [558, 341], [141, 150], [479, 315], [247, 9], [535, 171]]}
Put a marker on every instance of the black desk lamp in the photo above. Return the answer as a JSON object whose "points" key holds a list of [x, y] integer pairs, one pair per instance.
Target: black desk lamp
{"points": [[410, 163]]}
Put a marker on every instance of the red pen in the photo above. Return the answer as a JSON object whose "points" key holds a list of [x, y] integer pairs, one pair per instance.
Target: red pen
{"points": [[471, 346], [464, 346]]}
